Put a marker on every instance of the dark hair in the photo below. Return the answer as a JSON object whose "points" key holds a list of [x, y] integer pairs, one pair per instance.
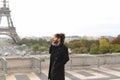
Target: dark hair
{"points": [[61, 36]]}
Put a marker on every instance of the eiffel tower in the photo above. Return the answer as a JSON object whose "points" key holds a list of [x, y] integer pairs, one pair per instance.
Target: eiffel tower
{"points": [[8, 30]]}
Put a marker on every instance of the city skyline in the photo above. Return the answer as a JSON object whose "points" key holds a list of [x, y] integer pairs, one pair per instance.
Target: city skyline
{"points": [[72, 17]]}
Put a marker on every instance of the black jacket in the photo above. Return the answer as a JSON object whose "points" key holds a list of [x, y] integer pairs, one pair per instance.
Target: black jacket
{"points": [[58, 58]]}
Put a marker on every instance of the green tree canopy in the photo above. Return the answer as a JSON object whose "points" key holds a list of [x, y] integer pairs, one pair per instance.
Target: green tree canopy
{"points": [[94, 49], [104, 46]]}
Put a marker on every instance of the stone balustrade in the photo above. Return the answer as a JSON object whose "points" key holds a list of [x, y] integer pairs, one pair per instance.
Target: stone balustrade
{"points": [[17, 64]]}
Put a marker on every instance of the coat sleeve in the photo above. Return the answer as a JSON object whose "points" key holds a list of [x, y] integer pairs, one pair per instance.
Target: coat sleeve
{"points": [[51, 49], [65, 58]]}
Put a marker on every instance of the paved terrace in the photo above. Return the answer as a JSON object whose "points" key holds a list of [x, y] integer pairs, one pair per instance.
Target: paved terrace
{"points": [[80, 67], [102, 73]]}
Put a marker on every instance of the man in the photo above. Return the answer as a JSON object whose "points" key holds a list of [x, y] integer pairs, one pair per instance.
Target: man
{"points": [[58, 58]]}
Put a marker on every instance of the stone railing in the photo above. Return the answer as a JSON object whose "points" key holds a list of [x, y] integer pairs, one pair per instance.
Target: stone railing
{"points": [[94, 60], [20, 64], [36, 63], [82, 60]]}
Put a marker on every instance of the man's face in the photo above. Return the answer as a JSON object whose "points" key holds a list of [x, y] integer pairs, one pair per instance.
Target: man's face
{"points": [[56, 40]]}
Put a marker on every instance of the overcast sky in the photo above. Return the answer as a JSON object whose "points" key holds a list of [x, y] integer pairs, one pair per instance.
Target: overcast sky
{"points": [[72, 17]]}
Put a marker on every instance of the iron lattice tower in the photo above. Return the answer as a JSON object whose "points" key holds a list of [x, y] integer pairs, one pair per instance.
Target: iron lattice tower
{"points": [[8, 30]]}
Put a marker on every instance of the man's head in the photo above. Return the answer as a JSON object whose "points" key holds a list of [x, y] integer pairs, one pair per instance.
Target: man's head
{"points": [[59, 38]]}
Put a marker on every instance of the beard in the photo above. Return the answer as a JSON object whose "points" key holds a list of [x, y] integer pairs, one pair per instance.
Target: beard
{"points": [[55, 42]]}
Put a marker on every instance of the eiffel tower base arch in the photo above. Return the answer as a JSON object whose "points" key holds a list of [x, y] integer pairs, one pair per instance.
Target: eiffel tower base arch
{"points": [[11, 32]]}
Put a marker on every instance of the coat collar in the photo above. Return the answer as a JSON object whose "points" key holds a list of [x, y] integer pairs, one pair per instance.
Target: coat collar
{"points": [[61, 44]]}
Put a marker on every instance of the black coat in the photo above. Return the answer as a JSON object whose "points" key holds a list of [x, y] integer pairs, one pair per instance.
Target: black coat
{"points": [[58, 58]]}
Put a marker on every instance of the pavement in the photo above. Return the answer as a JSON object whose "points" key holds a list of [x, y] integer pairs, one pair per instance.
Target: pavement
{"points": [[93, 73]]}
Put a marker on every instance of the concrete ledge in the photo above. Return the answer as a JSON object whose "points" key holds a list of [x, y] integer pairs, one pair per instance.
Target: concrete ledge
{"points": [[89, 60], [76, 60]]}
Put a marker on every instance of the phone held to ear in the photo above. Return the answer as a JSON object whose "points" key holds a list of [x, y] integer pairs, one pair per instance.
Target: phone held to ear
{"points": [[54, 43]]}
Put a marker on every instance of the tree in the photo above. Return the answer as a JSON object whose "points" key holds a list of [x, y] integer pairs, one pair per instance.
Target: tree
{"points": [[116, 40], [79, 46], [74, 44], [35, 48], [83, 50], [76, 50], [104, 46], [115, 48], [94, 49], [42, 49], [30, 42]]}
